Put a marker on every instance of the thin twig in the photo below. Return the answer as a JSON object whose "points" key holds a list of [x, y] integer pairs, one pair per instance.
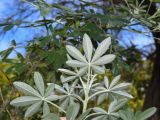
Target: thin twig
{"points": [[9, 114]]}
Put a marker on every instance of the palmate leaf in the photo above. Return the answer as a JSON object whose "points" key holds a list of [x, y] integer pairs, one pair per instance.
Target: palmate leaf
{"points": [[112, 113], [83, 116], [33, 109], [102, 48], [72, 111], [52, 98], [26, 89], [75, 53], [51, 116], [104, 60], [35, 99], [88, 47], [24, 101], [98, 69], [146, 114], [49, 90], [70, 75], [68, 72], [129, 114], [46, 109], [75, 63], [116, 104], [39, 82], [115, 81]]}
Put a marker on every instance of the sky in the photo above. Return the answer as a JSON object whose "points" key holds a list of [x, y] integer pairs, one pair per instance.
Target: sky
{"points": [[22, 35]]}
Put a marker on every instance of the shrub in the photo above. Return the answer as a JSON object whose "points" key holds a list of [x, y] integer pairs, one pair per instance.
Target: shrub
{"points": [[79, 87]]}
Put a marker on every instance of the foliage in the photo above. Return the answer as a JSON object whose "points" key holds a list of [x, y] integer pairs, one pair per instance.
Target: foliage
{"points": [[46, 52], [81, 87]]}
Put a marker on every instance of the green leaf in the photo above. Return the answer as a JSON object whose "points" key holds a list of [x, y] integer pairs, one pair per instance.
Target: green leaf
{"points": [[67, 79], [24, 101], [82, 117], [33, 109], [46, 109], [87, 46], [155, 1], [68, 72], [72, 111], [104, 60], [26, 89], [98, 69], [39, 82], [82, 71], [75, 63], [49, 90], [121, 86], [75, 53], [8, 27], [115, 81], [116, 104], [146, 114], [51, 116], [52, 97], [99, 110], [102, 48], [5, 53], [106, 82], [122, 93]]}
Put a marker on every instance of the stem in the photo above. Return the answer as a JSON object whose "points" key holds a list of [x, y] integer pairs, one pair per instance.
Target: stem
{"points": [[9, 114], [55, 106], [104, 91], [87, 89]]}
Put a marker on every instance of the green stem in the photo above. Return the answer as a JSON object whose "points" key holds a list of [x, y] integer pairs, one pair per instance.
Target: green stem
{"points": [[97, 93], [55, 106], [86, 90], [9, 114]]}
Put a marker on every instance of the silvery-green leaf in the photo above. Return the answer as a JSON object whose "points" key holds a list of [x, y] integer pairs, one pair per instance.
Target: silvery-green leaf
{"points": [[122, 93], [46, 109], [67, 79], [88, 47], [106, 82], [49, 90], [104, 59], [82, 71], [51, 116], [68, 72], [102, 117], [99, 110], [82, 116], [52, 98], [73, 86], [33, 109], [121, 86], [26, 89], [146, 114], [60, 89], [69, 57], [66, 87], [102, 48], [98, 69], [115, 81], [116, 104], [24, 101], [75, 53], [72, 111], [65, 103], [39, 82], [75, 63], [101, 98]]}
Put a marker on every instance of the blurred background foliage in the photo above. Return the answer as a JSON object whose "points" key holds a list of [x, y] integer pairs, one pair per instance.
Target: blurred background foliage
{"points": [[56, 24]]}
